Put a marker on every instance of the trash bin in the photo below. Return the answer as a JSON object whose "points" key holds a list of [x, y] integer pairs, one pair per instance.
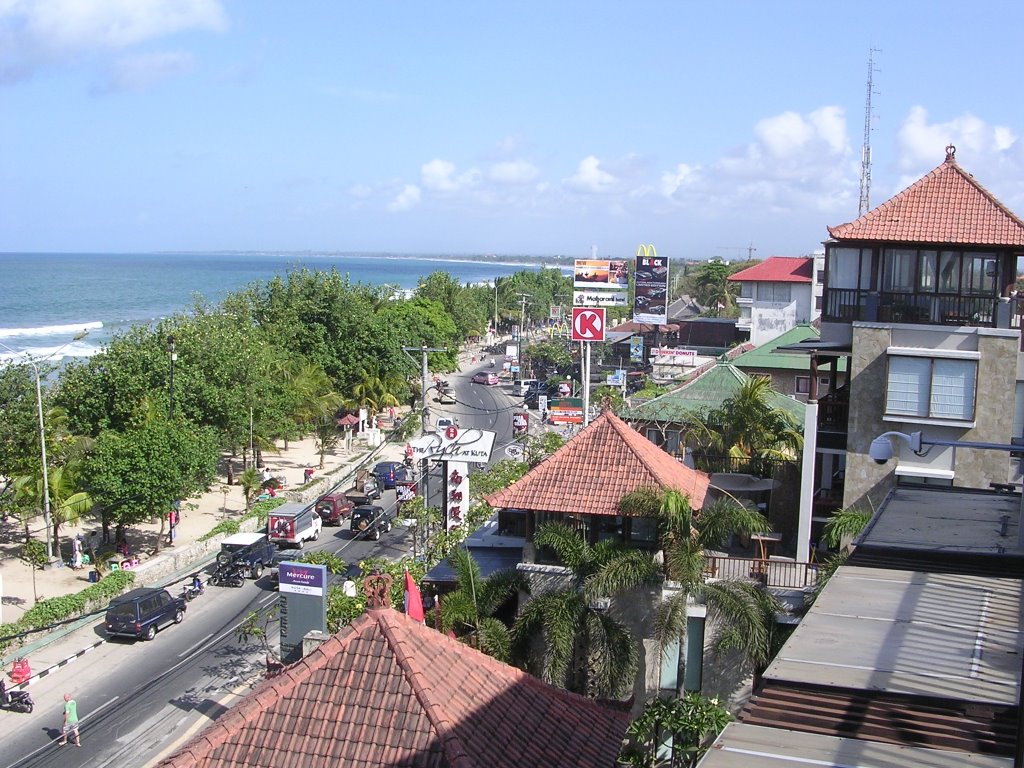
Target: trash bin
{"points": [[94, 576]]}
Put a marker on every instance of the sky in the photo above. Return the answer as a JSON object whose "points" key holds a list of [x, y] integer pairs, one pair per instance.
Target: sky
{"points": [[720, 129]]}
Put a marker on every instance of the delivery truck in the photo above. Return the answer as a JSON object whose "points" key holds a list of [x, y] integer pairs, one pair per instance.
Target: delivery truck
{"points": [[292, 525]]}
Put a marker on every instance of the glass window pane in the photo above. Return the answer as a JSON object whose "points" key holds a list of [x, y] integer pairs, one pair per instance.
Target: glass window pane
{"points": [[979, 274], [898, 269], [949, 272], [907, 390], [843, 267], [953, 384], [927, 263]]}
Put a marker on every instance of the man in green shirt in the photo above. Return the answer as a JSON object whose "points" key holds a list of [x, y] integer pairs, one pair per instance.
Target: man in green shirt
{"points": [[70, 727]]}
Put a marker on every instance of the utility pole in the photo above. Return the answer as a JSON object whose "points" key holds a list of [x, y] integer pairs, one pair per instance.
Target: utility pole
{"points": [[170, 395], [865, 153], [425, 424], [522, 327]]}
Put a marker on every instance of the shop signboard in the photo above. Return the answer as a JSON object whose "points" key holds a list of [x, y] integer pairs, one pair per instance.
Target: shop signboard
{"points": [[650, 302], [473, 445], [636, 349], [600, 298], [677, 356], [520, 423]]}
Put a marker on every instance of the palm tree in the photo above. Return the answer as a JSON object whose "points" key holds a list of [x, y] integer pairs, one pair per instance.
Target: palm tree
{"points": [[741, 612], [325, 436], [566, 636], [469, 611], [374, 392], [251, 486], [67, 502]]}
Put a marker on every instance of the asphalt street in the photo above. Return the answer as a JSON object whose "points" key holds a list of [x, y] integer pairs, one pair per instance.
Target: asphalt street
{"points": [[138, 700]]}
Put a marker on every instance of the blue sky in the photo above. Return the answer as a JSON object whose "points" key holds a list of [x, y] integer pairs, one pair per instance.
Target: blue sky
{"points": [[469, 127]]}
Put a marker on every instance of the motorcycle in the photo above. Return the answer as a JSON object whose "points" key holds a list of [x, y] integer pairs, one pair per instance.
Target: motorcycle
{"points": [[193, 590], [229, 575], [15, 701]]}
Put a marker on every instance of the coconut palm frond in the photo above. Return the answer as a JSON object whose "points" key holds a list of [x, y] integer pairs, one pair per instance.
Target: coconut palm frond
{"points": [[458, 612], [737, 612], [675, 512], [467, 572], [670, 621], [562, 613], [493, 638], [844, 525], [566, 543], [685, 562], [498, 588], [724, 517], [630, 569], [613, 658]]}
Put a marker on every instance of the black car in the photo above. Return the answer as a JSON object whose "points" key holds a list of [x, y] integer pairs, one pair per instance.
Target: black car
{"points": [[141, 612], [389, 472], [370, 521]]}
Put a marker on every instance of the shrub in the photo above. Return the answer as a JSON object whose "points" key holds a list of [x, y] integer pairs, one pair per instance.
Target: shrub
{"points": [[33, 552], [227, 527]]}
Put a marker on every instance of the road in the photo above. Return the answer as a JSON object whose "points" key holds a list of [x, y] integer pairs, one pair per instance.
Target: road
{"points": [[138, 699]]}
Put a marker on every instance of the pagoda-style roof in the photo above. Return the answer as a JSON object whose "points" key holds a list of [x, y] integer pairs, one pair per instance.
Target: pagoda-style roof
{"points": [[777, 269], [947, 206], [707, 392], [593, 471], [389, 691]]}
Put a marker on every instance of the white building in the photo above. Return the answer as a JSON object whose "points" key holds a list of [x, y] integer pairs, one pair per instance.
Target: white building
{"points": [[777, 295]]}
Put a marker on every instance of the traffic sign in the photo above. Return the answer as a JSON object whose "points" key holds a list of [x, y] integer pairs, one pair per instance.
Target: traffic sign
{"points": [[515, 451], [587, 324]]}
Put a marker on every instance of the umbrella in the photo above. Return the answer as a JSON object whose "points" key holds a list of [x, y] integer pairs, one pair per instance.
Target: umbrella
{"points": [[348, 420]]}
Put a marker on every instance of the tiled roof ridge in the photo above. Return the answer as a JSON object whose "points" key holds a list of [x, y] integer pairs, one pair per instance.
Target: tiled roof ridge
{"points": [[949, 165], [651, 459]]}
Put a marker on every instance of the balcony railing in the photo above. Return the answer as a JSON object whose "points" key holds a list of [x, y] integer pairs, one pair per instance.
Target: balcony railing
{"points": [[850, 304], [772, 572]]}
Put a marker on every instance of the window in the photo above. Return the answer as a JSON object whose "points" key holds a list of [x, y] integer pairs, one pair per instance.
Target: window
{"points": [[898, 270], [777, 293], [817, 303], [936, 388], [803, 385]]}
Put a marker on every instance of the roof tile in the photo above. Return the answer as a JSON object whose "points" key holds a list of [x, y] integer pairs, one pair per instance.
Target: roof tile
{"points": [[945, 206], [777, 269], [596, 468]]}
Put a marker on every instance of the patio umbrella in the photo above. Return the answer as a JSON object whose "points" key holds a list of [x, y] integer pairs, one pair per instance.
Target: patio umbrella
{"points": [[348, 420]]}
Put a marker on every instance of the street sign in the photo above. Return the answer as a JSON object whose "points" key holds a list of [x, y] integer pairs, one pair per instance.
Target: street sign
{"points": [[520, 423], [600, 299], [617, 379], [636, 349], [515, 451], [542, 403], [587, 324]]}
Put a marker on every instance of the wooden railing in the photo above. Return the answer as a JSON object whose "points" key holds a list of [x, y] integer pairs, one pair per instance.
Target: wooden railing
{"points": [[771, 572]]}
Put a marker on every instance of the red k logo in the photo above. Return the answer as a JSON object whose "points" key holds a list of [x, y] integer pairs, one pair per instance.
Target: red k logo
{"points": [[587, 324]]}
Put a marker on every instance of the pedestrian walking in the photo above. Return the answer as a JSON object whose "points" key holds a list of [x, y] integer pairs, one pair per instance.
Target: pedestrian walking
{"points": [[70, 726]]}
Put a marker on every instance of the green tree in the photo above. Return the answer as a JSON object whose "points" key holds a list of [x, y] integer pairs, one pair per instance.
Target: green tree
{"points": [[139, 473], [748, 426], [251, 483], [325, 437], [67, 502], [713, 289], [566, 636], [674, 733], [470, 610]]}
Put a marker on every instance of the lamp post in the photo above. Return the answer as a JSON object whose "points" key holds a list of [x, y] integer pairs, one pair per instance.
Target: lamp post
{"points": [[42, 436], [170, 392]]}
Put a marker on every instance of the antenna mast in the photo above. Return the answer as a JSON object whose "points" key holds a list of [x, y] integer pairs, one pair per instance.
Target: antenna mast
{"points": [[865, 155]]}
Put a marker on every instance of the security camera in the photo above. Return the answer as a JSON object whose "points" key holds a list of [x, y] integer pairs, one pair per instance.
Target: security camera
{"points": [[881, 450]]}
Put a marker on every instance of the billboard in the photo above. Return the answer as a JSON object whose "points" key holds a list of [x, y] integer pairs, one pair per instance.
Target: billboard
{"points": [[677, 355], [601, 273], [600, 298], [650, 302], [636, 349], [520, 423], [302, 605], [565, 410]]}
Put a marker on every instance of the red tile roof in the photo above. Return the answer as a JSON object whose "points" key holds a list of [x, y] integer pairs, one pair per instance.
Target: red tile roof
{"points": [[946, 206], [593, 471], [388, 691], [777, 269]]}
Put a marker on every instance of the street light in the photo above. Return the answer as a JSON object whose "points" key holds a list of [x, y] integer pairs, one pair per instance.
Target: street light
{"points": [[170, 393], [42, 433]]}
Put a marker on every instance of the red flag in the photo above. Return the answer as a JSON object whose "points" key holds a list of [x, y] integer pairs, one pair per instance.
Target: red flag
{"points": [[413, 600]]}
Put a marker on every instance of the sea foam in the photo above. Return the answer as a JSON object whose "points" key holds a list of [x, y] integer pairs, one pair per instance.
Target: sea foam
{"points": [[51, 330]]}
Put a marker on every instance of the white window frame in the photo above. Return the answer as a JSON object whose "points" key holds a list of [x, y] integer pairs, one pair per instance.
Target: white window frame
{"points": [[920, 386]]}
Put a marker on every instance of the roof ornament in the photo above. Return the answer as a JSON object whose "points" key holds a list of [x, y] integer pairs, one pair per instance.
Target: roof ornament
{"points": [[377, 588], [950, 153]]}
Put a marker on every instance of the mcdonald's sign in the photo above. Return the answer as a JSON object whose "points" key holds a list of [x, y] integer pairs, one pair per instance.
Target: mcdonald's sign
{"points": [[650, 302]]}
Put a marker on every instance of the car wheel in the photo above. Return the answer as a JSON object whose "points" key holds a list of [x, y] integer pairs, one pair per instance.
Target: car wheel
{"points": [[301, 544], [257, 570], [28, 708], [179, 617], [376, 534], [388, 526], [316, 535], [150, 632]]}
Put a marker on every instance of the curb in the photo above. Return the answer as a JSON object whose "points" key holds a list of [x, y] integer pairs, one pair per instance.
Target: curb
{"points": [[54, 667]]}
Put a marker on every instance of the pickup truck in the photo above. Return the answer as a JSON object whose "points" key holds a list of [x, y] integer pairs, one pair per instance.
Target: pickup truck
{"points": [[251, 552], [293, 525], [365, 489]]}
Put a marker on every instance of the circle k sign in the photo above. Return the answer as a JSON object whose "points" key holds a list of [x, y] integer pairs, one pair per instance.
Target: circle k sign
{"points": [[587, 324]]}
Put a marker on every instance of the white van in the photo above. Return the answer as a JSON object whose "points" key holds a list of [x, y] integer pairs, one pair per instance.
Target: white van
{"points": [[521, 386]]}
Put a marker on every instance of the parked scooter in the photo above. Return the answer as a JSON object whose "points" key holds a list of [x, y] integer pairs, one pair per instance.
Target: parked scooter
{"points": [[193, 590], [15, 701]]}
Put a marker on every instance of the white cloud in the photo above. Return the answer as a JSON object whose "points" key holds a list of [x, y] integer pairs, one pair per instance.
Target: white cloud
{"points": [[440, 176], [671, 181], [408, 198], [136, 73], [41, 33], [590, 177], [514, 172]]}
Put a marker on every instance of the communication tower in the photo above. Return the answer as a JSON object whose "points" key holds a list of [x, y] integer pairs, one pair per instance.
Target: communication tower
{"points": [[865, 155]]}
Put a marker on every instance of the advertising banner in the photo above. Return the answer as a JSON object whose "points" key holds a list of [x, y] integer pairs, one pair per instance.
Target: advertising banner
{"points": [[601, 273], [650, 303], [511, 350], [636, 349], [617, 379], [600, 298], [520, 423], [565, 410], [455, 445], [555, 311], [302, 605], [456, 493]]}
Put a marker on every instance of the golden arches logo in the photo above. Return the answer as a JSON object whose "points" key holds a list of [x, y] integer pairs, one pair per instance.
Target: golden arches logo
{"points": [[647, 251]]}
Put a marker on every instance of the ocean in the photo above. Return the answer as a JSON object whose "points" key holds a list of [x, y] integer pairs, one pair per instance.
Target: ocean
{"points": [[47, 299]]}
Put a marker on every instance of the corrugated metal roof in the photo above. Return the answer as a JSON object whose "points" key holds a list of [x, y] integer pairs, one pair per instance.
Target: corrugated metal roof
{"points": [[944, 636], [751, 746], [765, 357]]}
